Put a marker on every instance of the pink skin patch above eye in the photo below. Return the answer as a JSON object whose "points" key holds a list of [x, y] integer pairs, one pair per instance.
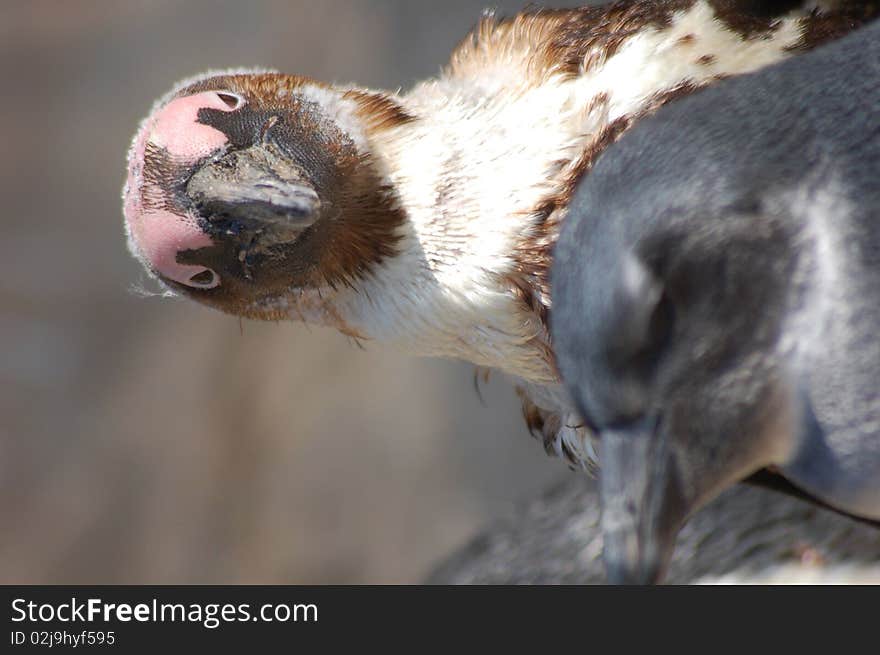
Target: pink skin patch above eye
{"points": [[176, 127], [159, 235]]}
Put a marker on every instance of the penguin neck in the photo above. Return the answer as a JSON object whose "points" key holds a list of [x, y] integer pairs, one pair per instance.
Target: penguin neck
{"points": [[483, 160]]}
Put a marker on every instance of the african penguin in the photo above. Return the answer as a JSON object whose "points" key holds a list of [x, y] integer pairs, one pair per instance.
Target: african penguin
{"points": [[717, 299], [427, 219]]}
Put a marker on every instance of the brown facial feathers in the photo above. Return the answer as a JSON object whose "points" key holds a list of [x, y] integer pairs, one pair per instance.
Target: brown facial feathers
{"points": [[357, 218]]}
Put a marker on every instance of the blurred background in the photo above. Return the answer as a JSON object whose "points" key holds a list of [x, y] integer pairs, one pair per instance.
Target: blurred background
{"points": [[148, 440]]}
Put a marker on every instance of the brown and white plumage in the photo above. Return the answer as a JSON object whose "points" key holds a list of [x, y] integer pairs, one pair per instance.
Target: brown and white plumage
{"points": [[426, 219]]}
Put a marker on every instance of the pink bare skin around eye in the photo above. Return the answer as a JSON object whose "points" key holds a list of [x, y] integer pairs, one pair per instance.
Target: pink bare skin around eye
{"points": [[161, 235], [158, 234], [176, 126]]}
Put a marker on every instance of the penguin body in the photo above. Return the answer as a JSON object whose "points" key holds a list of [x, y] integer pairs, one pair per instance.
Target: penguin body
{"points": [[717, 291]]}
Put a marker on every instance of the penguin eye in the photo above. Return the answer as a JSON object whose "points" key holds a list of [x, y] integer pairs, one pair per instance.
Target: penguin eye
{"points": [[231, 100], [657, 335]]}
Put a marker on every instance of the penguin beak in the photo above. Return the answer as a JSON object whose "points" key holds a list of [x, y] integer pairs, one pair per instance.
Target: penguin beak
{"points": [[643, 506], [257, 187]]}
